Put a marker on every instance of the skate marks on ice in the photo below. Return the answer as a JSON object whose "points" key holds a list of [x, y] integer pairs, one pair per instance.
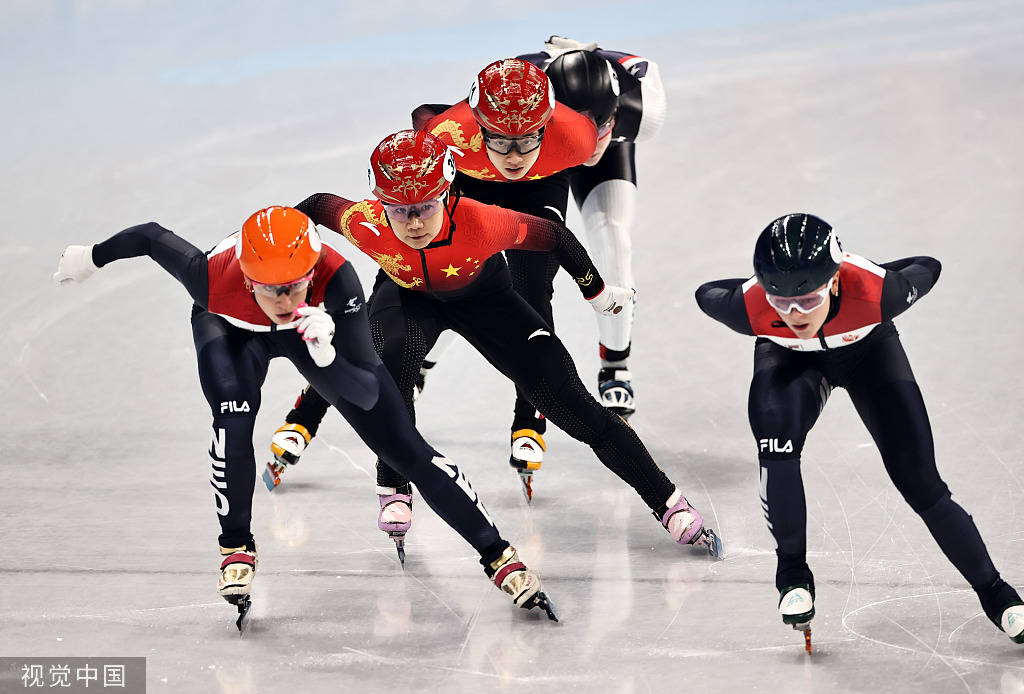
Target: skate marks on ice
{"points": [[890, 629]]}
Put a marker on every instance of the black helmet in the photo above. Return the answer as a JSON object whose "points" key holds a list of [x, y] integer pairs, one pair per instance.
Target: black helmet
{"points": [[585, 82], [796, 254]]}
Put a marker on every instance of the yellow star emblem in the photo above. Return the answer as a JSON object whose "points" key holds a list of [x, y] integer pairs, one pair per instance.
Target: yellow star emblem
{"points": [[450, 270]]}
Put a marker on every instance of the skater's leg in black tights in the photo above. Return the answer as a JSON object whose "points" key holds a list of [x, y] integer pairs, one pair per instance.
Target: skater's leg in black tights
{"points": [[516, 341], [786, 395], [232, 367], [309, 410], [403, 329], [889, 402], [388, 431], [533, 276]]}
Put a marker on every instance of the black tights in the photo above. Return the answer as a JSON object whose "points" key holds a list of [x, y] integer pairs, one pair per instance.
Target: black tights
{"points": [[787, 393], [517, 342], [232, 367]]}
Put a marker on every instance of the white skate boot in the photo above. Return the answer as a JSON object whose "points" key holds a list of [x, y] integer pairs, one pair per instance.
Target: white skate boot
{"points": [[287, 445], [796, 605], [524, 587], [616, 390], [237, 569], [1012, 622], [395, 517], [527, 456]]}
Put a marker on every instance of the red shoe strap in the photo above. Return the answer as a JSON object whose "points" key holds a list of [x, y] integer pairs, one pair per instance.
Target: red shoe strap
{"points": [[506, 570], [238, 558]]}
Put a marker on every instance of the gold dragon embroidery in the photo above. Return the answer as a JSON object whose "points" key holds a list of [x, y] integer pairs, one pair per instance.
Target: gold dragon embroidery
{"points": [[392, 265], [453, 130]]}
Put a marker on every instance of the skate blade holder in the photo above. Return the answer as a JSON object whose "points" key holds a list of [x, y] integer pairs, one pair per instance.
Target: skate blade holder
{"points": [[806, 628], [526, 479], [244, 604], [399, 537], [803, 624], [272, 476], [710, 540], [542, 601]]}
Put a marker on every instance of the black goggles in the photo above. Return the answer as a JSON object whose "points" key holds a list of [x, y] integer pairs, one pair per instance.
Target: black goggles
{"points": [[503, 144]]}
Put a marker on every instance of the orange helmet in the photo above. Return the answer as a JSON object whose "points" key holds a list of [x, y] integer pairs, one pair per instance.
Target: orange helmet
{"points": [[277, 245]]}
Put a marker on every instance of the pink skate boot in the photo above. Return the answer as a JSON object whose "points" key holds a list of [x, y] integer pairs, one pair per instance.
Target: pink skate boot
{"points": [[686, 526], [395, 517]]}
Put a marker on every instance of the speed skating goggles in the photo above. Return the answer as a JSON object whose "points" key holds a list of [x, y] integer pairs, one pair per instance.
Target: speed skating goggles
{"points": [[502, 144], [805, 303], [299, 286], [423, 210]]}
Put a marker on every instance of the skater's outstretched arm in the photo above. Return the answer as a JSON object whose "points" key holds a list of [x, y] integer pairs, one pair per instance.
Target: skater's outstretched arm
{"points": [[181, 259], [906, 281], [723, 301], [325, 209], [519, 231]]}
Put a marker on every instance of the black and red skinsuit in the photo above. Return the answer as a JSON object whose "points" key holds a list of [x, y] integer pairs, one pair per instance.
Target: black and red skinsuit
{"points": [[235, 340], [460, 281], [858, 349]]}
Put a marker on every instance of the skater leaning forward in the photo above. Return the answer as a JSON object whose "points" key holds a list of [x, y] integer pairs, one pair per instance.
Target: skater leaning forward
{"points": [[623, 94], [271, 290], [519, 148], [823, 319], [442, 268], [513, 143]]}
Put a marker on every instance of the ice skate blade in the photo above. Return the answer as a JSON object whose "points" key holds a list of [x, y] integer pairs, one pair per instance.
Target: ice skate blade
{"points": [[527, 481], [399, 539], [243, 603], [806, 628], [709, 540], [542, 601], [270, 478]]}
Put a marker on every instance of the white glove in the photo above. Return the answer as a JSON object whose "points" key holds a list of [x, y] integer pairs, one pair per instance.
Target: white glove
{"points": [[557, 45], [317, 329], [75, 265], [613, 300]]}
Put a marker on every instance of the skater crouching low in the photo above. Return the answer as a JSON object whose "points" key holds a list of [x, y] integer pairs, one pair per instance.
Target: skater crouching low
{"points": [[274, 289], [823, 319], [442, 268]]}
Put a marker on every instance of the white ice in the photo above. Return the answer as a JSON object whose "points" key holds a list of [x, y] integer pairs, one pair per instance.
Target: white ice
{"points": [[898, 122]]}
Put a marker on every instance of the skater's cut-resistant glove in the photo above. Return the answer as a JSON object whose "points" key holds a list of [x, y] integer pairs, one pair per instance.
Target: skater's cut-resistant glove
{"points": [[75, 265], [613, 300], [559, 45], [317, 328]]}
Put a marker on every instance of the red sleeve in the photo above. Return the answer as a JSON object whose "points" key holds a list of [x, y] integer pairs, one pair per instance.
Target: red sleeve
{"points": [[508, 229]]}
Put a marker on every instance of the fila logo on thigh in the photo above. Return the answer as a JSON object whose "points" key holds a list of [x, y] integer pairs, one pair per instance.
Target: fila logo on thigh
{"points": [[232, 406], [448, 467], [773, 446]]}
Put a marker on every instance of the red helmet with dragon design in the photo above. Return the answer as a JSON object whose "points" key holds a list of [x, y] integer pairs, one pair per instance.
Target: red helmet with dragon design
{"points": [[512, 97], [410, 167]]}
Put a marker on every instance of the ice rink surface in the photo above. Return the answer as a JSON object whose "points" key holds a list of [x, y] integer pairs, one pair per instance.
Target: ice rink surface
{"points": [[900, 123]]}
